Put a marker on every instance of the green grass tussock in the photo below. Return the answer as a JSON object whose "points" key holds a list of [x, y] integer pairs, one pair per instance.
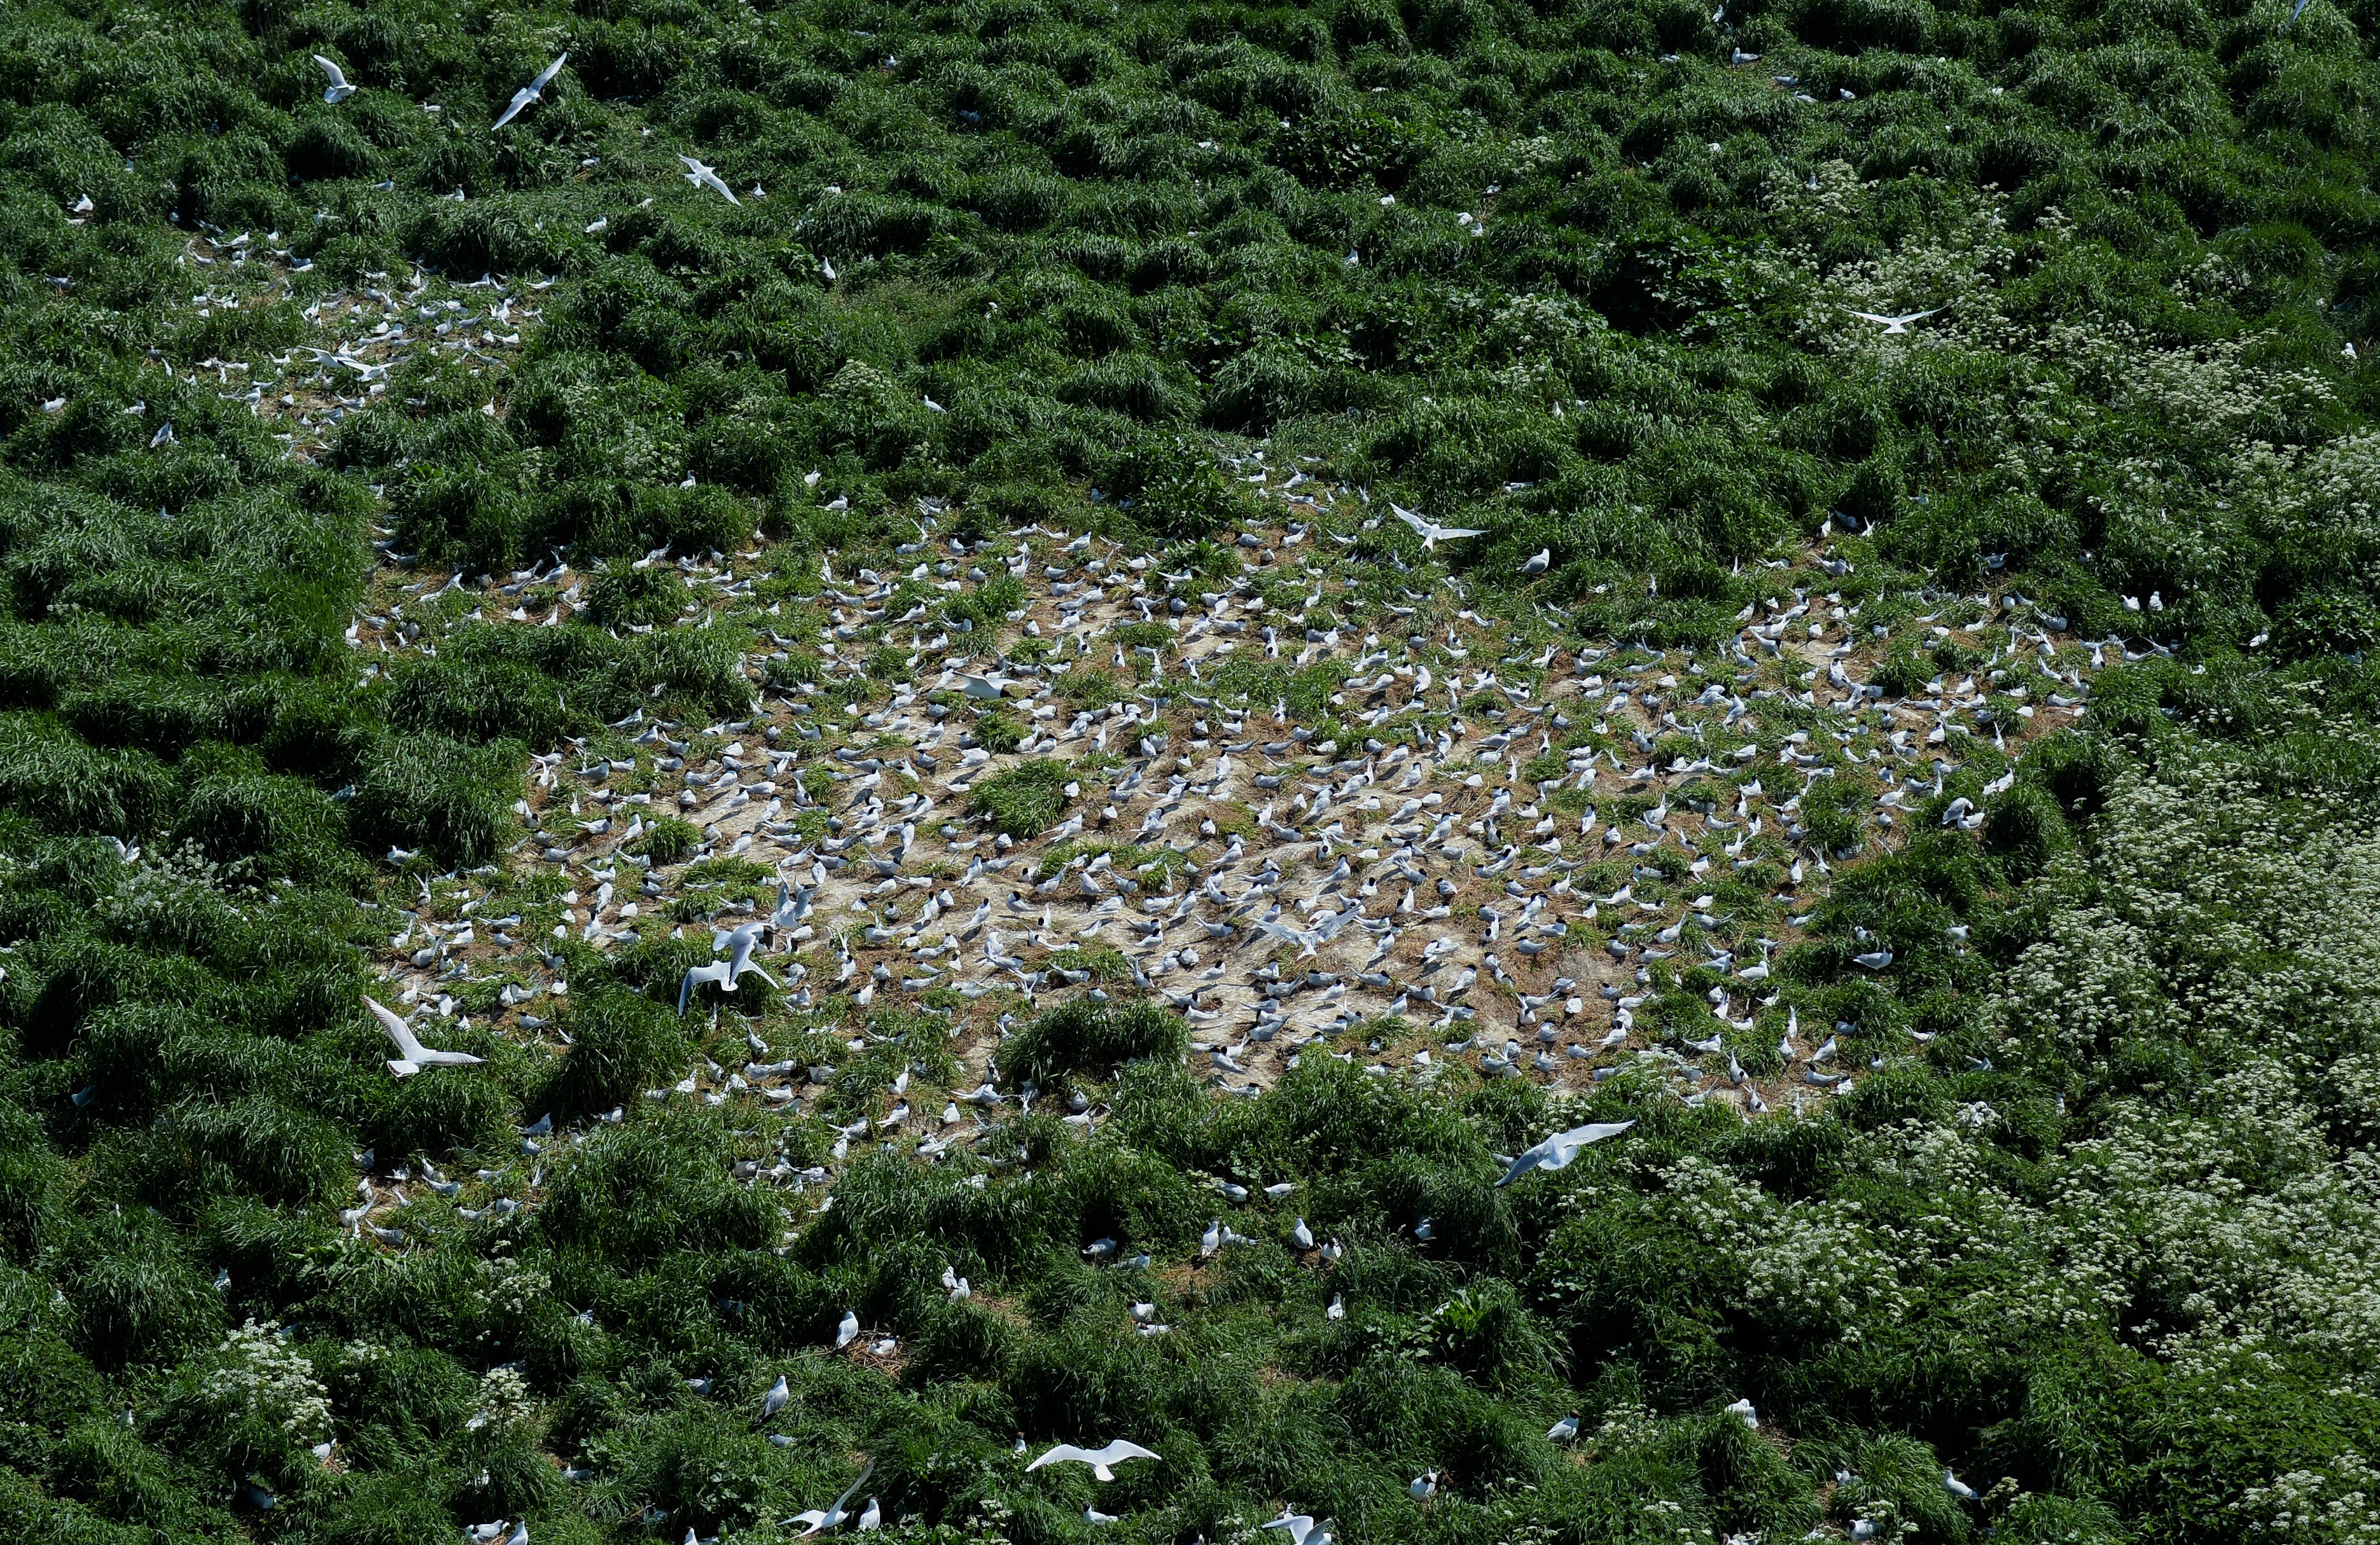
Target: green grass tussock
{"points": [[1083, 1037], [1023, 800]]}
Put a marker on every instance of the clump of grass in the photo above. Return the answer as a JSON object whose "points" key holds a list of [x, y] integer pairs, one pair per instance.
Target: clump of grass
{"points": [[668, 839], [135, 1292], [1100, 964], [1000, 731], [622, 595], [1024, 800], [1090, 689], [987, 603], [1902, 671], [479, 700], [639, 1192], [428, 792], [1145, 635], [738, 873], [1205, 559], [1832, 814], [1181, 495], [622, 1043], [1084, 1037]]}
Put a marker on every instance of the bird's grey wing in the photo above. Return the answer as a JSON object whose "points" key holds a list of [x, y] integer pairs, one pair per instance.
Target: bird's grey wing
{"points": [[1060, 1455], [1871, 317], [520, 99], [856, 1482], [1523, 1164], [545, 77], [407, 1047], [686, 986], [1446, 532], [1563, 1147], [1120, 1449], [338, 77]]}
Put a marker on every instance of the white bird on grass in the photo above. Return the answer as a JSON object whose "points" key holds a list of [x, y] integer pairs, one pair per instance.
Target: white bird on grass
{"points": [[792, 906], [1302, 1528], [534, 92], [716, 973], [338, 90], [1558, 1150], [707, 176], [1431, 532], [1309, 940], [1956, 1488], [847, 1332], [774, 1401], [1894, 324], [821, 1519], [1100, 1460], [728, 972], [411, 1055], [1538, 561], [739, 944]]}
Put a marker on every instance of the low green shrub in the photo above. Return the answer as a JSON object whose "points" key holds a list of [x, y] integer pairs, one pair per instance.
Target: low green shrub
{"points": [[1023, 800], [1082, 1037]]}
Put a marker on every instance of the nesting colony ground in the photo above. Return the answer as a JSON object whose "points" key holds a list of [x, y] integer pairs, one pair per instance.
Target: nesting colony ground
{"points": [[895, 735]]}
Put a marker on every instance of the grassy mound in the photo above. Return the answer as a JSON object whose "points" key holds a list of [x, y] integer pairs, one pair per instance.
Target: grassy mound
{"points": [[1087, 1037], [1024, 799]]}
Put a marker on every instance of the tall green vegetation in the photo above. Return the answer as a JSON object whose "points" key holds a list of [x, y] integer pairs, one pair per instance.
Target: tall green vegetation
{"points": [[2097, 1234]]}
